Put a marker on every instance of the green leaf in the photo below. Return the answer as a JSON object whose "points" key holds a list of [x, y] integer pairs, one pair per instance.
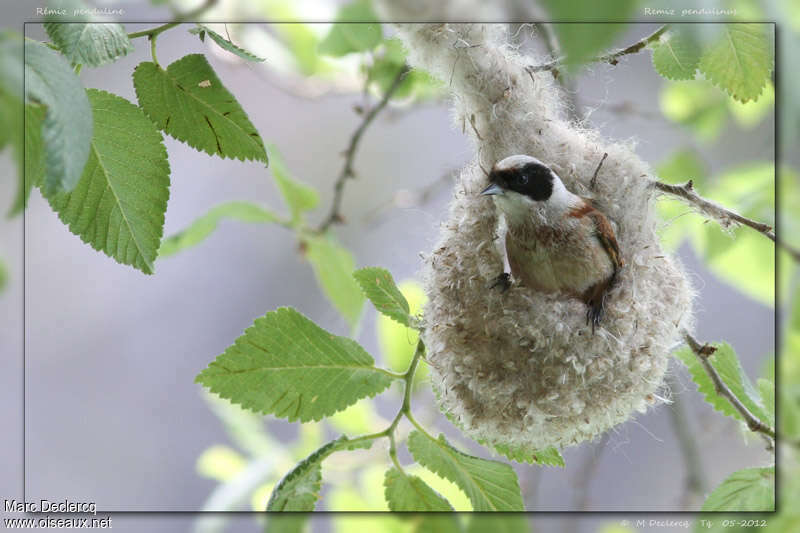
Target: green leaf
{"points": [[189, 102], [357, 29], [286, 365], [751, 114], [409, 493], [67, 127], [750, 489], [399, 343], [92, 44], [34, 155], [740, 61], [581, 42], [727, 365], [205, 225], [378, 285], [676, 56], [119, 203], [299, 489], [201, 30], [766, 392], [490, 485], [506, 523], [298, 196], [333, 265], [550, 456]]}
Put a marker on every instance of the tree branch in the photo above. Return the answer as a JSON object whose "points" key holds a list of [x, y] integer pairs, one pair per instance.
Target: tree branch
{"points": [[610, 58], [334, 215], [725, 217], [179, 18], [703, 352]]}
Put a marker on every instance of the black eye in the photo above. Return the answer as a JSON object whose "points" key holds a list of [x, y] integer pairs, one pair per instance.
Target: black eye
{"points": [[522, 179]]}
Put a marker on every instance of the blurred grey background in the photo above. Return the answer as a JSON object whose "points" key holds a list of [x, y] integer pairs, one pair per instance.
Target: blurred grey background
{"points": [[112, 413]]}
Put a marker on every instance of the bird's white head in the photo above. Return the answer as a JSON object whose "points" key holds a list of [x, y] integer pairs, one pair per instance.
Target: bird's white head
{"points": [[522, 185]]}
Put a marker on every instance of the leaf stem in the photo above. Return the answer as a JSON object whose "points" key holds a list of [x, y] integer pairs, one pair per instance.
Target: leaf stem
{"points": [[154, 32], [703, 351]]}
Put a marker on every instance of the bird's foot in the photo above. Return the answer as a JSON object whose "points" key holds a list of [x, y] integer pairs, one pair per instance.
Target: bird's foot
{"points": [[594, 312], [503, 281]]}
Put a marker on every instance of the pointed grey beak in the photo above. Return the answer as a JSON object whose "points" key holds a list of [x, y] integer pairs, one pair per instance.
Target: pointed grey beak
{"points": [[492, 189]]}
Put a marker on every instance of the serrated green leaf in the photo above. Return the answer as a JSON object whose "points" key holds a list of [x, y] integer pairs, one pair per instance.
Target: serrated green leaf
{"points": [[581, 42], [399, 343], [750, 489], [92, 44], [676, 56], [299, 197], [727, 365], [189, 103], [286, 365], [409, 493], [299, 489], [490, 485], [119, 203], [506, 523], [357, 29], [751, 114], [333, 266], [549, 456], [379, 286], [740, 61], [205, 225], [224, 43], [34, 154], [67, 126]]}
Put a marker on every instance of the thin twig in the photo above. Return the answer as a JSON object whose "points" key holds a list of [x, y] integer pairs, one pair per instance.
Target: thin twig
{"points": [[725, 217], [611, 58], [695, 480], [703, 351], [593, 181], [179, 18], [334, 216]]}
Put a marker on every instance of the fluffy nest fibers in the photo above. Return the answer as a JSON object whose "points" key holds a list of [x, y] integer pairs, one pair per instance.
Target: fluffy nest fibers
{"points": [[523, 368]]}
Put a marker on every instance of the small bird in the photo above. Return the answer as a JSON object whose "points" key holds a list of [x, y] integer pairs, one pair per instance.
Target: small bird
{"points": [[556, 240]]}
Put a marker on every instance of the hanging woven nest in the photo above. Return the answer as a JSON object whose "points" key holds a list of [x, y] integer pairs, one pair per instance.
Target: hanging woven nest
{"points": [[523, 368]]}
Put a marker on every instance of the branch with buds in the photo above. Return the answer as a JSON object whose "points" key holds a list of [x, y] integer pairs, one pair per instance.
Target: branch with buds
{"points": [[703, 351], [725, 217], [335, 216], [610, 58]]}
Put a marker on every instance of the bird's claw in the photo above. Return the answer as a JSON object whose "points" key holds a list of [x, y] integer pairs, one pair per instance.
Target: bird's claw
{"points": [[594, 313], [503, 281]]}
